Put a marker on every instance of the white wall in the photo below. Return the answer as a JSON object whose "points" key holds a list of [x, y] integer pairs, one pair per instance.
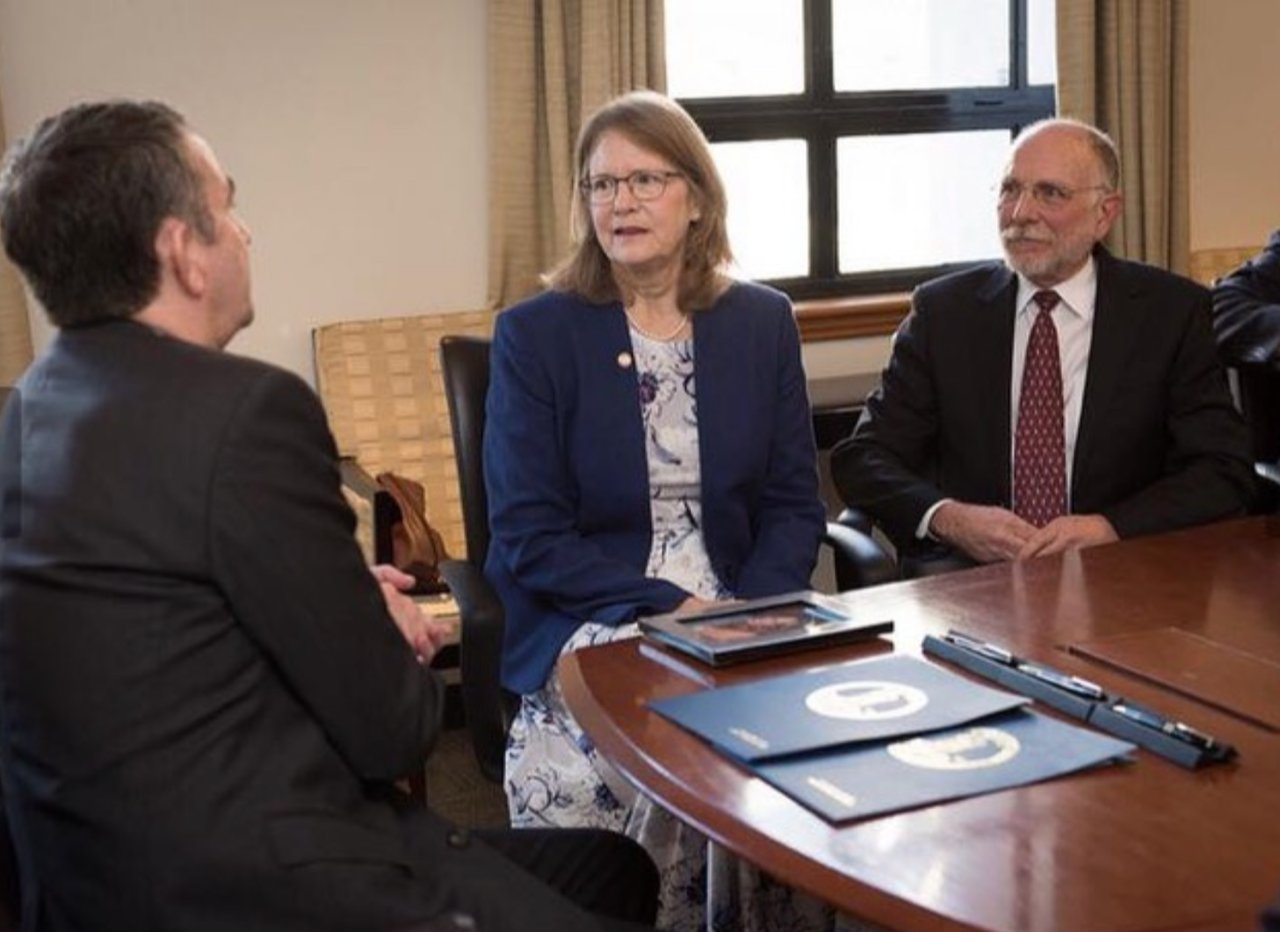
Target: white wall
{"points": [[1235, 122], [355, 131]]}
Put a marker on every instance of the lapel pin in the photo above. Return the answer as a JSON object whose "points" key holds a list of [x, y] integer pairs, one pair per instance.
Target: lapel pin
{"points": [[624, 360]]}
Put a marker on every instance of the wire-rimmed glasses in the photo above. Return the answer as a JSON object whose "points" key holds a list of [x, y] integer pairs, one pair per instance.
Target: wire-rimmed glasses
{"points": [[646, 184], [1048, 194]]}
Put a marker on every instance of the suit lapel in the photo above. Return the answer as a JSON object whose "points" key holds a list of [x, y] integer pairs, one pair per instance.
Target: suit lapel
{"points": [[1116, 328], [993, 358]]}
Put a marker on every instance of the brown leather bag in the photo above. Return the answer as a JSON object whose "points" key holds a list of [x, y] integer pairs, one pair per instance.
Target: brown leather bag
{"points": [[416, 547]]}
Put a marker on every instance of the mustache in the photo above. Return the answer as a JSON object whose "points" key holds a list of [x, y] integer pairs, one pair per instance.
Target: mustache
{"points": [[1024, 234]]}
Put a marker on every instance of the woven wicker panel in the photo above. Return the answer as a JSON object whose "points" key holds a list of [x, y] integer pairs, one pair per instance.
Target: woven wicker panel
{"points": [[1208, 265], [381, 387]]}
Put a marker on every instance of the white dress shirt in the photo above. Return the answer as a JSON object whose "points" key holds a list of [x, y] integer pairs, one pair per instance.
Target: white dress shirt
{"points": [[1073, 319]]}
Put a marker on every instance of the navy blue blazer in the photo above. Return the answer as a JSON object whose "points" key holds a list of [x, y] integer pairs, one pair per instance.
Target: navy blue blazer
{"points": [[1159, 446], [567, 477]]}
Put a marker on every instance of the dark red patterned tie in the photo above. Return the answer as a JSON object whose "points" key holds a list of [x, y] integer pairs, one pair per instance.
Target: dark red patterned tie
{"points": [[1039, 448]]}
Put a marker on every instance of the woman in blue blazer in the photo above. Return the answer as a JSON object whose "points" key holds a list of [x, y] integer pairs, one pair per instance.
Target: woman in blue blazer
{"points": [[648, 447]]}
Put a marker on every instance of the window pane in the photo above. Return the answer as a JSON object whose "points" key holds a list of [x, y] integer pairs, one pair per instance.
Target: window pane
{"points": [[1042, 52], [768, 190], [911, 44], [734, 48], [919, 199]]}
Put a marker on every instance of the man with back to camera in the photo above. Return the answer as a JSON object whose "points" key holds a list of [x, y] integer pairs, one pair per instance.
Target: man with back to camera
{"points": [[1142, 437], [207, 697]]}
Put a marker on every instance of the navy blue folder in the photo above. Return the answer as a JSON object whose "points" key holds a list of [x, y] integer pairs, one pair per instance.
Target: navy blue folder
{"points": [[866, 700], [1012, 749]]}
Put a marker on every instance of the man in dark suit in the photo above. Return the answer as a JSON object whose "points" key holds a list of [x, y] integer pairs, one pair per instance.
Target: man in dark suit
{"points": [[207, 697], [1246, 319], [1129, 427], [1246, 308]]}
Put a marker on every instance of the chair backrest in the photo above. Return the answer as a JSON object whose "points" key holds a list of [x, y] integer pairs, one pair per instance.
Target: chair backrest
{"points": [[464, 365], [380, 382], [1208, 265]]}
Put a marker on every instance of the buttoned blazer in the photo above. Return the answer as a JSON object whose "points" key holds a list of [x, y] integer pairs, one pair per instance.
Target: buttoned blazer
{"points": [[1159, 446], [567, 475], [205, 700]]}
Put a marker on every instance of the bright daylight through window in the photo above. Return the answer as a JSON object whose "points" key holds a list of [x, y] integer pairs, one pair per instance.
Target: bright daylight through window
{"points": [[860, 140]]}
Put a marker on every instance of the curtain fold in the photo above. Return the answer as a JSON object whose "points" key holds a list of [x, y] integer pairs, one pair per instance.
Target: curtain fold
{"points": [[1123, 66], [15, 326], [551, 63]]}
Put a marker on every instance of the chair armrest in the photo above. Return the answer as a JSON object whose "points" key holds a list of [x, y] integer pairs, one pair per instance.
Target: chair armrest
{"points": [[857, 519], [382, 507], [488, 707], [357, 479], [1268, 499], [1268, 472], [859, 560]]}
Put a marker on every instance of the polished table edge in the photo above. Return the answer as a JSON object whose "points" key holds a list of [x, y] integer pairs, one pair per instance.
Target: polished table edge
{"points": [[800, 869], [773, 856]]}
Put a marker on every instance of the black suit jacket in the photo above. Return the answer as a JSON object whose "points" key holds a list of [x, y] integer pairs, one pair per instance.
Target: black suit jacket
{"points": [[205, 700], [1159, 444], [1246, 308]]}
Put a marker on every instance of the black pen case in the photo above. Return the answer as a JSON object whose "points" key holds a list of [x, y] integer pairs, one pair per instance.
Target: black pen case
{"points": [[1075, 706], [1167, 746]]}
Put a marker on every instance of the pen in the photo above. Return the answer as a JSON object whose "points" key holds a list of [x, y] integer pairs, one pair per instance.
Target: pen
{"points": [[1072, 684], [1160, 723], [990, 651]]}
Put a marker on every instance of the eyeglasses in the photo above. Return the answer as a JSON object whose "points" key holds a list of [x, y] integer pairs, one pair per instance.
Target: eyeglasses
{"points": [[644, 185], [1045, 193]]}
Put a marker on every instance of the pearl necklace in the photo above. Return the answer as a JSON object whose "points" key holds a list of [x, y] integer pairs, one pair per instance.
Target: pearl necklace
{"points": [[664, 338]]}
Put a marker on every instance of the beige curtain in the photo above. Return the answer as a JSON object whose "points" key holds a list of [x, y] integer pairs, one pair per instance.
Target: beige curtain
{"points": [[15, 328], [1122, 65], [551, 63]]}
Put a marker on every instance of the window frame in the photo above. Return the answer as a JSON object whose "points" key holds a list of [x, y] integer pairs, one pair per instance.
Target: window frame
{"points": [[821, 116]]}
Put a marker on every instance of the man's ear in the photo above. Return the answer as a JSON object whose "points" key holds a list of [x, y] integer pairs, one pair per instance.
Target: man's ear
{"points": [[180, 259], [1109, 212]]}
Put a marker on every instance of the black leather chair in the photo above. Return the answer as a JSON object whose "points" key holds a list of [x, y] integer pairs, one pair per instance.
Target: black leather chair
{"points": [[10, 887], [488, 707], [858, 560], [1258, 391]]}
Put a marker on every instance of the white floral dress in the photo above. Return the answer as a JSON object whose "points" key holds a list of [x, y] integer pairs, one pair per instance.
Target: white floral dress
{"points": [[554, 775]]}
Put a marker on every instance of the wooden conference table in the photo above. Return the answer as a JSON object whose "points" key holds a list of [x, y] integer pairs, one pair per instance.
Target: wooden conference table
{"points": [[1133, 848]]}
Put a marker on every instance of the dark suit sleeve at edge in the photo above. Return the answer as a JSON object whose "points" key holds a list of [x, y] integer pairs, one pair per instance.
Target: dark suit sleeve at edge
{"points": [[1246, 309], [283, 550]]}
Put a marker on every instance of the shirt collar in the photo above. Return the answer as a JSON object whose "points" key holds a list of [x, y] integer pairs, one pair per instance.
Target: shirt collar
{"points": [[1076, 293]]}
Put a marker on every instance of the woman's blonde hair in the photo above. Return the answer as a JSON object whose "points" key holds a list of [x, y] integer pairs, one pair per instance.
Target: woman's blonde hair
{"points": [[655, 122]]}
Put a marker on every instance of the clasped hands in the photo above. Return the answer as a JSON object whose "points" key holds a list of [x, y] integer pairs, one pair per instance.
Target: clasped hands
{"points": [[990, 534], [425, 635]]}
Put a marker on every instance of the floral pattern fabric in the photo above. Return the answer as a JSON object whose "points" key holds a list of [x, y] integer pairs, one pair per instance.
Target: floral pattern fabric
{"points": [[554, 774]]}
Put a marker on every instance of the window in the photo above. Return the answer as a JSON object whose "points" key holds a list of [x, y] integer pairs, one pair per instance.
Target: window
{"points": [[860, 140]]}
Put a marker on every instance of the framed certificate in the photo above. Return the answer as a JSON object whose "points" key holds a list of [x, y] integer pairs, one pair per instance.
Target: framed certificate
{"points": [[739, 631]]}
